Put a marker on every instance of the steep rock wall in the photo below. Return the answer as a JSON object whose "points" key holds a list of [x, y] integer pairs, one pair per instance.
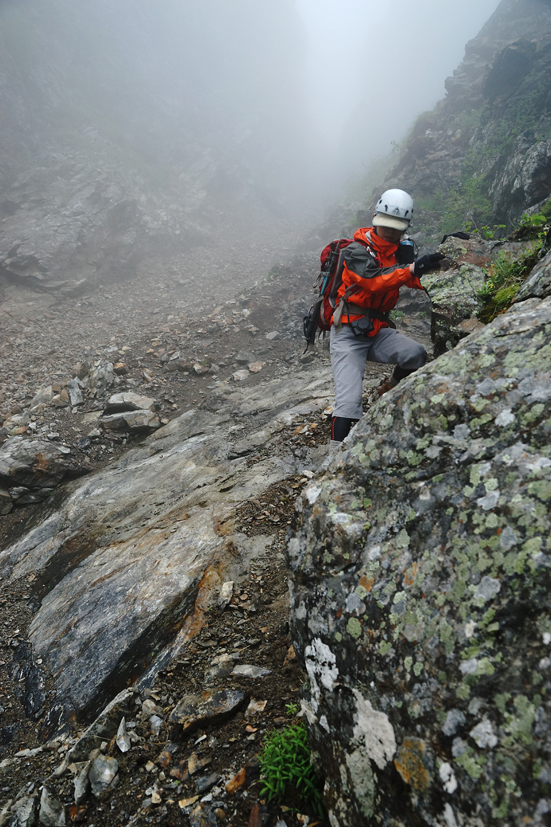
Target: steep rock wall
{"points": [[420, 590]]}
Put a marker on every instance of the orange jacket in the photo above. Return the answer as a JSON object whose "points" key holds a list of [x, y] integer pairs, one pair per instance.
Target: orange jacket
{"points": [[370, 266]]}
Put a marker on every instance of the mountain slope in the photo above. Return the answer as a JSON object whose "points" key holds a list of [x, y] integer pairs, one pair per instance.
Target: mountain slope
{"points": [[484, 153]]}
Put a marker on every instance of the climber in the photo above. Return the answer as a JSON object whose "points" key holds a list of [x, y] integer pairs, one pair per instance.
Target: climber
{"points": [[376, 265]]}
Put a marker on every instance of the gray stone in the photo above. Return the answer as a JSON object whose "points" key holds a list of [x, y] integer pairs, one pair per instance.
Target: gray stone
{"points": [[131, 421], [123, 741], [155, 724], [538, 284], [195, 711], [26, 812], [244, 357], [74, 389], [81, 782], [422, 614], [33, 464], [453, 294], [52, 812], [206, 783], [128, 401], [454, 720], [226, 593], [105, 727], [102, 773], [246, 670]]}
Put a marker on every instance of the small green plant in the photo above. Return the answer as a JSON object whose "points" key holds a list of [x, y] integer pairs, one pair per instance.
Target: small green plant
{"points": [[489, 233], [291, 709], [534, 226], [505, 276], [285, 765]]}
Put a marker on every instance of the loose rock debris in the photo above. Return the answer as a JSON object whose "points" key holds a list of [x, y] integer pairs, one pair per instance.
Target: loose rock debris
{"points": [[141, 768]]}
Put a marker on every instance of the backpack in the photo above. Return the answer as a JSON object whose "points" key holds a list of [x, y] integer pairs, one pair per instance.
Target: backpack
{"points": [[330, 279], [327, 286]]}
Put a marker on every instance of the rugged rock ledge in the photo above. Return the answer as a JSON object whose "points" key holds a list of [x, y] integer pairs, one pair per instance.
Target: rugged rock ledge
{"points": [[421, 590]]}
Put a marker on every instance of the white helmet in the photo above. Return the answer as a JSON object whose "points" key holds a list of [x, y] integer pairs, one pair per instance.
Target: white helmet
{"points": [[394, 209]]}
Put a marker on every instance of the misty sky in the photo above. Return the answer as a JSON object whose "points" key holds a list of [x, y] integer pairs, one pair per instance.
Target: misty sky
{"points": [[230, 94], [386, 57]]}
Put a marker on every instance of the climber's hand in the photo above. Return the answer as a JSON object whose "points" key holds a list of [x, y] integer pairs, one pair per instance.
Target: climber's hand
{"points": [[427, 263]]}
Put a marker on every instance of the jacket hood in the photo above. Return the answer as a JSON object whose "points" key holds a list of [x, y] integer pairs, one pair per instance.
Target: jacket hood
{"points": [[387, 250]]}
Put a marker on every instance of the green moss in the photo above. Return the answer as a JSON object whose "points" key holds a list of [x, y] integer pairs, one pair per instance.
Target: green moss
{"points": [[501, 810], [533, 414], [472, 764], [354, 627], [505, 277]]}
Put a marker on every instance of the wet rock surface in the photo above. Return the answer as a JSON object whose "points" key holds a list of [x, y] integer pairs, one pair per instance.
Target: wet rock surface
{"points": [[420, 591]]}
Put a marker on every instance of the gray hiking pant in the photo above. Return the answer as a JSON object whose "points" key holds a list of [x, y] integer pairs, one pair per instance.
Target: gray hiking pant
{"points": [[349, 354]]}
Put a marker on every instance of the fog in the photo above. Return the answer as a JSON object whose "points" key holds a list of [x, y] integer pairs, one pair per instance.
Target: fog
{"points": [[372, 67], [278, 101]]}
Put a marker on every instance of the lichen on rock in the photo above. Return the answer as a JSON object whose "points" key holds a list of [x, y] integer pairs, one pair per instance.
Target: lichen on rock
{"points": [[420, 591]]}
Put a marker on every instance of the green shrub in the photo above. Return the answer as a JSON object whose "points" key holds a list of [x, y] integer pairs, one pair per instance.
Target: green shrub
{"points": [[285, 764]]}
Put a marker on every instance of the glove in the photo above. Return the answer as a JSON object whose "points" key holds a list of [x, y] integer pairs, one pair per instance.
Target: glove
{"points": [[427, 263]]}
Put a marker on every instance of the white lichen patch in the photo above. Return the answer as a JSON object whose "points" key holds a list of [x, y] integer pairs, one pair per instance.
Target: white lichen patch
{"points": [[312, 493], [448, 778], [352, 528], [374, 732], [506, 417], [488, 588], [470, 629], [449, 816], [321, 668], [483, 734], [489, 501], [469, 667]]}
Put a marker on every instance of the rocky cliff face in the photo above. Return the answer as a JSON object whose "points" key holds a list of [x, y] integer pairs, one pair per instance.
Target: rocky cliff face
{"points": [[483, 155], [420, 591]]}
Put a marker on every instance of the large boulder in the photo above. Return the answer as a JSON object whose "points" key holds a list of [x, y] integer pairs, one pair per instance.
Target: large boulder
{"points": [[454, 290], [421, 592], [31, 468]]}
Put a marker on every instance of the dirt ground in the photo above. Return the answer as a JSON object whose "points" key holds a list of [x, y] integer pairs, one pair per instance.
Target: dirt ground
{"points": [[162, 779]]}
